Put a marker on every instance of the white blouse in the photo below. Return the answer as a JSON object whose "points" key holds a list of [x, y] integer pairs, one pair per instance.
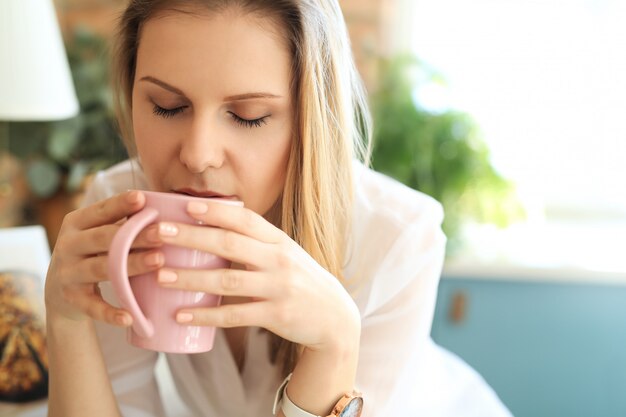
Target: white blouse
{"points": [[395, 256]]}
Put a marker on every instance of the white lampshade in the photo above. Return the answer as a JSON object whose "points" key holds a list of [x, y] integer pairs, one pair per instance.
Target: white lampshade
{"points": [[35, 78]]}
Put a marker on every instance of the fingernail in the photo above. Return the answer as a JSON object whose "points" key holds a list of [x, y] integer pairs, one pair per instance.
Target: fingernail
{"points": [[168, 229], [123, 319], [196, 207], [167, 276], [184, 317], [154, 259]]}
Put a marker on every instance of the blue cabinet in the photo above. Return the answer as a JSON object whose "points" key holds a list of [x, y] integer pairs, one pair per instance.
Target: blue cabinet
{"points": [[549, 349]]}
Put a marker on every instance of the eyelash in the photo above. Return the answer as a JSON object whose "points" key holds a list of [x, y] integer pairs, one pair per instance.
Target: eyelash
{"points": [[167, 113], [248, 123]]}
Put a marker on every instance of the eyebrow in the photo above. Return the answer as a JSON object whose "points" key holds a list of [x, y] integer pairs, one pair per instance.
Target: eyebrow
{"points": [[163, 85], [248, 96], [237, 97]]}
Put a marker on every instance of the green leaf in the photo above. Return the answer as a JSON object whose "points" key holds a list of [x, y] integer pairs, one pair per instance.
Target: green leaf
{"points": [[78, 172], [64, 139], [441, 154], [43, 177], [27, 139]]}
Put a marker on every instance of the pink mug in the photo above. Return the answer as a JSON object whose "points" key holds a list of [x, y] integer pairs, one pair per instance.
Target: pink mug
{"points": [[153, 307]]}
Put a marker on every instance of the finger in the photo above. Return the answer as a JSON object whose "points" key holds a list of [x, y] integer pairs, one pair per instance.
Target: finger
{"points": [[108, 211], [236, 218], [231, 282], [224, 243], [95, 268], [231, 315], [98, 239], [96, 308]]}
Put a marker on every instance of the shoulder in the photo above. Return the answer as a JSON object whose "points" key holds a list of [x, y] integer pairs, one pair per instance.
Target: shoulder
{"points": [[123, 176], [395, 238], [385, 199]]}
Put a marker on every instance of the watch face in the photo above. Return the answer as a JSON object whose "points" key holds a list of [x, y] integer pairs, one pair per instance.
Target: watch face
{"points": [[353, 408]]}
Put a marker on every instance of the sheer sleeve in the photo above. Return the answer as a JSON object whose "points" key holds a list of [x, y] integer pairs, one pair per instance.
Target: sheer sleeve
{"points": [[397, 317], [131, 370]]}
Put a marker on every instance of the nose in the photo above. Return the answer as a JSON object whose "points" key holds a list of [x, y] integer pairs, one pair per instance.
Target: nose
{"points": [[202, 148]]}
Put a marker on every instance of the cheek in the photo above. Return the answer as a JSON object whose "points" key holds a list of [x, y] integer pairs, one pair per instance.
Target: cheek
{"points": [[275, 168], [141, 125], [150, 139], [143, 132], [262, 173], [151, 130]]}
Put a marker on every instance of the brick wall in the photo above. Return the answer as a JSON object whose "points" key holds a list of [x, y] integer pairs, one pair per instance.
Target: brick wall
{"points": [[98, 15], [368, 23]]}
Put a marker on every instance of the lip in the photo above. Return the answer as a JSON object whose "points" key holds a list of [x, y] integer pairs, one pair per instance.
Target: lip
{"points": [[203, 193]]}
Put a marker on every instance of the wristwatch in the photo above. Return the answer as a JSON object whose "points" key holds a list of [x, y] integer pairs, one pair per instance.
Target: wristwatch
{"points": [[349, 405]]}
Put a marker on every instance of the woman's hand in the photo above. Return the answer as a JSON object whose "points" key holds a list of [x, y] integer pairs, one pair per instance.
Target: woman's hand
{"points": [[79, 260], [290, 293]]}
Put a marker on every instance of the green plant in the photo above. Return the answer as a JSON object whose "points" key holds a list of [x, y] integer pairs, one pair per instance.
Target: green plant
{"points": [[58, 155], [440, 154]]}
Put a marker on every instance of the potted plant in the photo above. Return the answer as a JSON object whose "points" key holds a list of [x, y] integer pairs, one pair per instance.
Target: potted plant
{"points": [[59, 156], [441, 154]]}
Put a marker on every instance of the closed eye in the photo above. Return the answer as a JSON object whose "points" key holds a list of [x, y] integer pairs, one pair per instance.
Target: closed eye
{"points": [[250, 123], [167, 113]]}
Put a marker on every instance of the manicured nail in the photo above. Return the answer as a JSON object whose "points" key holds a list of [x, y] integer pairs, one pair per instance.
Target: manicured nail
{"points": [[195, 207], [154, 259], [168, 229], [167, 276], [184, 317]]}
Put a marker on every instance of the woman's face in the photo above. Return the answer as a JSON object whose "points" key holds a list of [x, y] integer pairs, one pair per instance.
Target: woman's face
{"points": [[212, 106]]}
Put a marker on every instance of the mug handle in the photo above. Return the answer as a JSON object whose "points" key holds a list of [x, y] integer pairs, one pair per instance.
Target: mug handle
{"points": [[118, 268]]}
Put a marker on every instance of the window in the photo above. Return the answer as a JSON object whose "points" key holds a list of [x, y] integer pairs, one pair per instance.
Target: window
{"points": [[546, 82]]}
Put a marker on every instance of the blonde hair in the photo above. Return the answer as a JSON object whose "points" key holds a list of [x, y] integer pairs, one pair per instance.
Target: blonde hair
{"points": [[332, 122]]}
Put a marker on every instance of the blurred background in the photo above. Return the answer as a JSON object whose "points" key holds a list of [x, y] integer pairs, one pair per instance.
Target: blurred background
{"points": [[509, 113]]}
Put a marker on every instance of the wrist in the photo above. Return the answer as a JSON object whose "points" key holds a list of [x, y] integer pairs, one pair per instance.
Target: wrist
{"points": [[338, 354], [323, 376], [326, 372], [344, 337], [350, 404], [58, 322]]}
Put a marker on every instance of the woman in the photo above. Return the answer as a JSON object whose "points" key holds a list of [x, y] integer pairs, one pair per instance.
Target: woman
{"points": [[334, 267]]}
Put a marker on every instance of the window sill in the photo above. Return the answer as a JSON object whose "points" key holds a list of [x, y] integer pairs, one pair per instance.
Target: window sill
{"points": [[571, 251]]}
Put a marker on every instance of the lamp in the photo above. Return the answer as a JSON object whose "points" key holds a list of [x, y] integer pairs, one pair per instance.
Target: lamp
{"points": [[35, 79]]}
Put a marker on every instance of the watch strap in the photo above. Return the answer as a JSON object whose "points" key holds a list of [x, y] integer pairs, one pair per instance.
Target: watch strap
{"points": [[289, 409], [283, 402], [280, 392]]}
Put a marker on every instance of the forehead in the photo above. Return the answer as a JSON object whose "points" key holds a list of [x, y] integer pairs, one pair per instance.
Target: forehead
{"points": [[215, 52]]}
